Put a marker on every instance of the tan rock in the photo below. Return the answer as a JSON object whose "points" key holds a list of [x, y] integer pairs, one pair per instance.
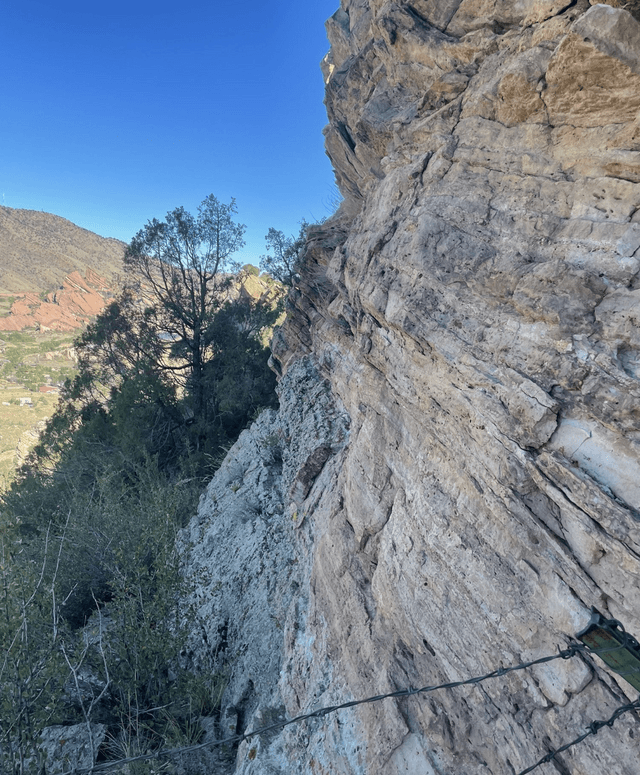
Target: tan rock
{"points": [[473, 309], [587, 87]]}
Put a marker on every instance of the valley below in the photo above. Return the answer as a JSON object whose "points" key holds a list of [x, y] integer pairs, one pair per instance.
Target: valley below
{"points": [[33, 368], [55, 277]]}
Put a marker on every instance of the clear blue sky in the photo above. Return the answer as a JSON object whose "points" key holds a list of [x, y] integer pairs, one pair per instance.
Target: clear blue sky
{"points": [[114, 112]]}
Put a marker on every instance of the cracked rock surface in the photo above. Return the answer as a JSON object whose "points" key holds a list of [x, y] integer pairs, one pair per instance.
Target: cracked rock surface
{"points": [[458, 468]]}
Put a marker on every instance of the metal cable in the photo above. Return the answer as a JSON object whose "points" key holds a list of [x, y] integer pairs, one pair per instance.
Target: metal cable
{"points": [[567, 653], [594, 728]]}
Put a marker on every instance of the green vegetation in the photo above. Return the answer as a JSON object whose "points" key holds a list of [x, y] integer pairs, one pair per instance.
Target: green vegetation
{"points": [[106, 559], [183, 263], [18, 426], [32, 359], [28, 360], [92, 622], [285, 254], [6, 302]]}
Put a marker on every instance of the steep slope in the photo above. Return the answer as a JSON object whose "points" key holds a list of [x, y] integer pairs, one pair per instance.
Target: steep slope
{"points": [[452, 480], [38, 250]]}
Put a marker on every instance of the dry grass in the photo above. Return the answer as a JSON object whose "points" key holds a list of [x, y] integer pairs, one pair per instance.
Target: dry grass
{"points": [[37, 251], [27, 360], [18, 426], [5, 304]]}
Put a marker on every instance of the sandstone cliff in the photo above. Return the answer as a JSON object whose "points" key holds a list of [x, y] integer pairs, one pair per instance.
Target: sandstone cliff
{"points": [[70, 307], [453, 478]]}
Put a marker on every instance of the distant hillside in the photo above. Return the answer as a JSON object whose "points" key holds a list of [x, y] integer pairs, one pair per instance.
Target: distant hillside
{"points": [[38, 250]]}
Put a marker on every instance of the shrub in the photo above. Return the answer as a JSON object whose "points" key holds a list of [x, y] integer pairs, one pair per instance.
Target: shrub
{"points": [[32, 670], [113, 568]]}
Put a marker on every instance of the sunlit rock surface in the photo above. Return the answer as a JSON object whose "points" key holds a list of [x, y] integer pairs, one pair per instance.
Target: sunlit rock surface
{"points": [[453, 479]]}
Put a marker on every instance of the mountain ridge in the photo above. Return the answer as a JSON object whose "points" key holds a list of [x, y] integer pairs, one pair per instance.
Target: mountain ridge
{"points": [[39, 250]]}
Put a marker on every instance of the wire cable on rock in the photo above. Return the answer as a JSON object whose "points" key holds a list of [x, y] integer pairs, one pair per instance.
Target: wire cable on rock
{"points": [[593, 729], [567, 653]]}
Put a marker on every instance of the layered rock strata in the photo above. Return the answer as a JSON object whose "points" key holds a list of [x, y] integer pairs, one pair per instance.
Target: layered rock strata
{"points": [[70, 307], [452, 480]]}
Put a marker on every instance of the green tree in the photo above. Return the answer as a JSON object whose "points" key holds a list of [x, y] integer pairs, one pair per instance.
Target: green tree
{"points": [[284, 255], [183, 264], [88, 527], [238, 380]]}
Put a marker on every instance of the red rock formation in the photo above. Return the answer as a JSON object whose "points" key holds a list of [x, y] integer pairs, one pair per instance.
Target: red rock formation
{"points": [[65, 309]]}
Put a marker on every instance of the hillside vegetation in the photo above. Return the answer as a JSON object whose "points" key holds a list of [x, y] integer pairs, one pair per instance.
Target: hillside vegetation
{"points": [[38, 250], [91, 620], [30, 363], [38, 253]]}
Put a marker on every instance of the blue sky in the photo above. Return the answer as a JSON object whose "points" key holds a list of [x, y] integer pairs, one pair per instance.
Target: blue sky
{"points": [[112, 113]]}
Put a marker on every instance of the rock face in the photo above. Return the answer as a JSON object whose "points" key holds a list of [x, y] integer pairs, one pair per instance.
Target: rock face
{"points": [[70, 307], [69, 748], [452, 481]]}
